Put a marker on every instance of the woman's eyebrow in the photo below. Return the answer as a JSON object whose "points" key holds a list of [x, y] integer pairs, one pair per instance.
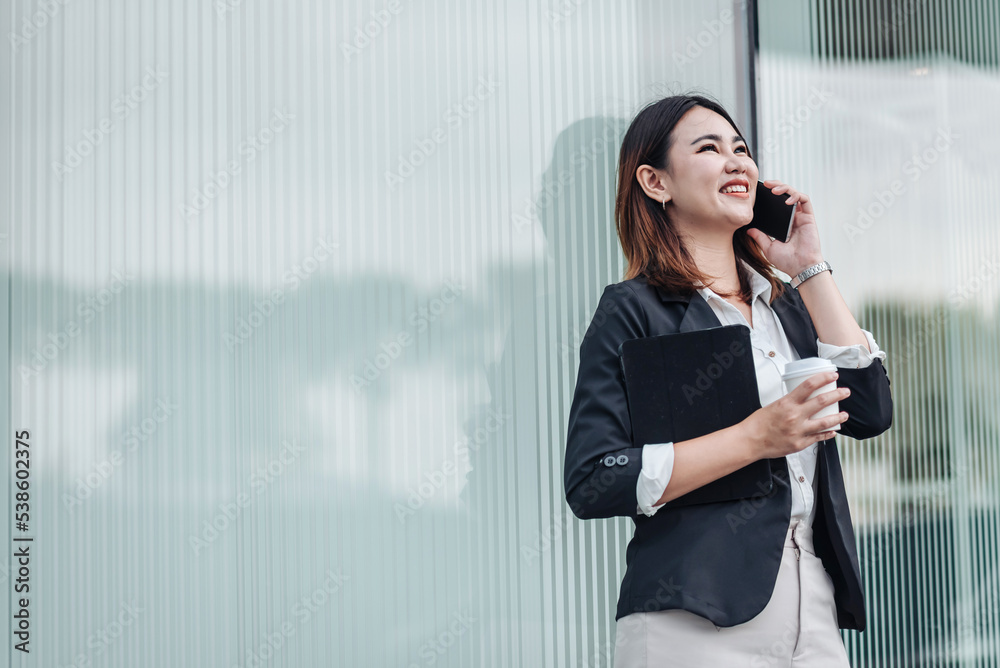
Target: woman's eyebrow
{"points": [[736, 138]]}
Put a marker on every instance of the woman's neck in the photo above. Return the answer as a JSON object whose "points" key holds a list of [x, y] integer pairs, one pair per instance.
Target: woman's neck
{"points": [[717, 260]]}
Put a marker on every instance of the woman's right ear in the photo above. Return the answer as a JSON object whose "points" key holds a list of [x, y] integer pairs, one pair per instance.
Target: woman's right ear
{"points": [[653, 184]]}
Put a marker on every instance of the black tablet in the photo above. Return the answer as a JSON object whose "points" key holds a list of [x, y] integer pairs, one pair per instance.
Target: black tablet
{"points": [[681, 386]]}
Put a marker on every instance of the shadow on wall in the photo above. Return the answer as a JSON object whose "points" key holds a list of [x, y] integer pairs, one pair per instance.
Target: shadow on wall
{"points": [[515, 491]]}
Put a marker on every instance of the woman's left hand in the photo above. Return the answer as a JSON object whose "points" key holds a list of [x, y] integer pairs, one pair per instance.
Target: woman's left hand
{"points": [[802, 248]]}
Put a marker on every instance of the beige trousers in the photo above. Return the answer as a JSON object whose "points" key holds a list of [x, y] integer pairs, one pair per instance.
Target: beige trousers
{"points": [[796, 629]]}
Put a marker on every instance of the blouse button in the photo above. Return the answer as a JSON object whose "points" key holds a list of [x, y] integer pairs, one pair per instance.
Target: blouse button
{"points": [[771, 354], [802, 478]]}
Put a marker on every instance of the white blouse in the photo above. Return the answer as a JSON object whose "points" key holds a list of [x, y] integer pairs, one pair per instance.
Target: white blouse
{"points": [[771, 351]]}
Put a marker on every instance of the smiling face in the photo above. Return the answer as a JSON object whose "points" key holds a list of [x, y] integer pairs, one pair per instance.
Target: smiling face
{"points": [[705, 157]]}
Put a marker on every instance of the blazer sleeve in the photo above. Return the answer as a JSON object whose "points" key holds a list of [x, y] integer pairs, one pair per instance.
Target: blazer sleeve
{"points": [[869, 407], [601, 464]]}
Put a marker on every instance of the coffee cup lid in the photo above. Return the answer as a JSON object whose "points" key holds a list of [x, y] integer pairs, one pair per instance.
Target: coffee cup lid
{"points": [[807, 367]]}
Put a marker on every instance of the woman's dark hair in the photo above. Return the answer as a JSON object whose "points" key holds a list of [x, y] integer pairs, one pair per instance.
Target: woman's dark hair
{"points": [[651, 244]]}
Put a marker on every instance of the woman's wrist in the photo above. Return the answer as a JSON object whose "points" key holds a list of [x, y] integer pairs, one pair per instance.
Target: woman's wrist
{"points": [[806, 264], [750, 440], [809, 272]]}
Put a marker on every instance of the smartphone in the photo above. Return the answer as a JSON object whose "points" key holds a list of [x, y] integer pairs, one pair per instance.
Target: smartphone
{"points": [[771, 215]]}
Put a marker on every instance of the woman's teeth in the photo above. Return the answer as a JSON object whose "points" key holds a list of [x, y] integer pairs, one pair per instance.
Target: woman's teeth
{"points": [[734, 189]]}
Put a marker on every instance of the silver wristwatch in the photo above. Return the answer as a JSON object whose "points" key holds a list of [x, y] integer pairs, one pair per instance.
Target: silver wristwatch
{"points": [[809, 272]]}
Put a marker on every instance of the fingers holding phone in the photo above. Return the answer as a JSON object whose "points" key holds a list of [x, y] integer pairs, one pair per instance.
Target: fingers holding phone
{"points": [[784, 227]]}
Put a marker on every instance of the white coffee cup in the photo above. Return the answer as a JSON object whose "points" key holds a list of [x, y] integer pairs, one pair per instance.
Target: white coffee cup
{"points": [[799, 370]]}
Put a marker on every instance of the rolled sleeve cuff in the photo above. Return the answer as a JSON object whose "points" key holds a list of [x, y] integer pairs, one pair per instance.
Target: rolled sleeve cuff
{"points": [[851, 357], [657, 466]]}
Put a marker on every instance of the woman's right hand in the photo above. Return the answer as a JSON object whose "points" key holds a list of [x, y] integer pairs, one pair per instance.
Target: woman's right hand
{"points": [[786, 425]]}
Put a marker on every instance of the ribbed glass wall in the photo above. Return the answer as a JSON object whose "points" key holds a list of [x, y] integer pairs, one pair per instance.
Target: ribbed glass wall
{"points": [[881, 112], [294, 296]]}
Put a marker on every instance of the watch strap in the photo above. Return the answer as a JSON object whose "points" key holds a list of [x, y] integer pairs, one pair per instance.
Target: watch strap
{"points": [[811, 271]]}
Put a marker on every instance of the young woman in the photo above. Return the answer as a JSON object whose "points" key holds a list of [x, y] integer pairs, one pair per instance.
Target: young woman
{"points": [[757, 581]]}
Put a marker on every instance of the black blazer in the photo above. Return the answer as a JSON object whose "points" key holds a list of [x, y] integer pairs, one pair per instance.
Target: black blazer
{"points": [[716, 559]]}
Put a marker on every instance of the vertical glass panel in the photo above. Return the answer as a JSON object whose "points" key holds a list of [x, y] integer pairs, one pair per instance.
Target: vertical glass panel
{"points": [[295, 292], [878, 110]]}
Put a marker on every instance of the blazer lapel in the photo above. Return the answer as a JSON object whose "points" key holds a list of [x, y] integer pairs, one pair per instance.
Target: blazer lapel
{"points": [[798, 327], [697, 315]]}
